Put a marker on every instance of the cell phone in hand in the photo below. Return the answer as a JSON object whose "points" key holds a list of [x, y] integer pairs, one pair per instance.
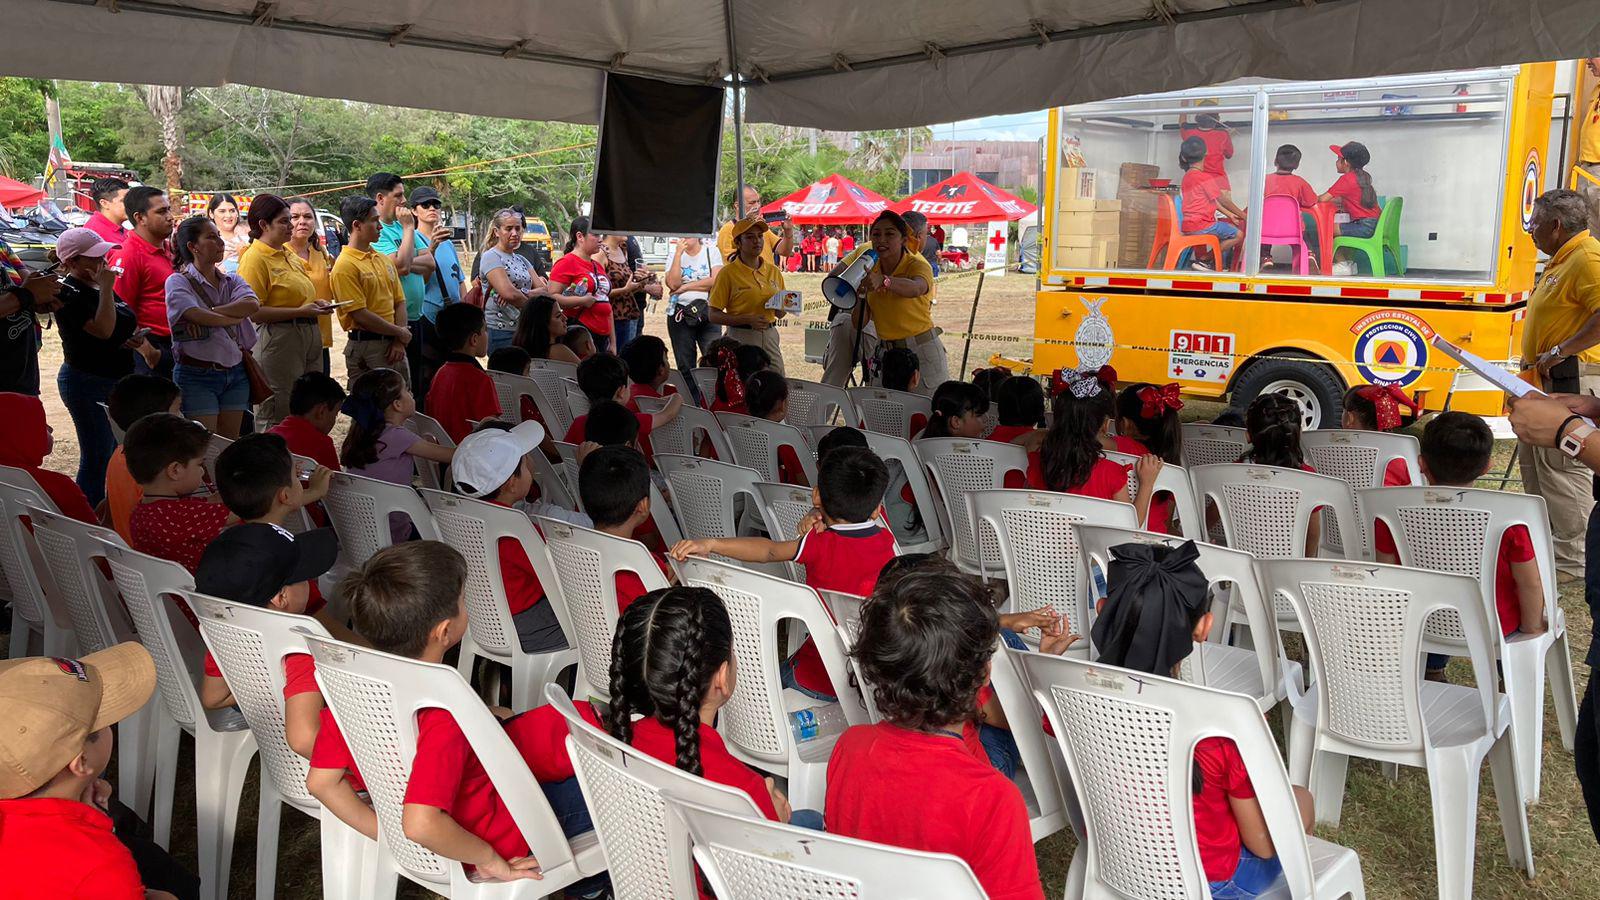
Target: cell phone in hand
{"points": [[775, 218]]}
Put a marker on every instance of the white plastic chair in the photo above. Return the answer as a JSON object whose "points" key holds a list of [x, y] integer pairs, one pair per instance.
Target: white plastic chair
{"points": [[754, 859], [889, 412], [509, 389], [1041, 777], [705, 378], [1257, 668], [755, 721], [705, 494], [552, 481], [683, 435], [681, 385], [569, 468], [755, 443], [223, 744], [430, 473], [1174, 481], [1128, 739], [71, 551], [1209, 445], [474, 528], [214, 448], [249, 644], [34, 609], [785, 505], [375, 697], [550, 379], [1358, 459], [586, 563], [577, 402], [815, 403], [1459, 530], [646, 844], [1038, 548], [359, 509], [1364, 639], [897, 453], [960, 466]]}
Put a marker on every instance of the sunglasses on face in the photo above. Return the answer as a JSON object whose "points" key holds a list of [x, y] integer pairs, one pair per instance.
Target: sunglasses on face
{"points": [[429, 204]]}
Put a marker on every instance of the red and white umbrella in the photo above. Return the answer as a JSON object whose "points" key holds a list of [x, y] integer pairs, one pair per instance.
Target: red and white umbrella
{"points": [[964, 197], [834, 200]]}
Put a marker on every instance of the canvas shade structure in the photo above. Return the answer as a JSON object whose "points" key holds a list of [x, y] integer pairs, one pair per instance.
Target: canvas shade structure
{"points": [[964, 197], [833, 200], [16, 195]]}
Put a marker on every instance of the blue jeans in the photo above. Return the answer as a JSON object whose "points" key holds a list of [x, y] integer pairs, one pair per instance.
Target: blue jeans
{"points": [[1222, 230], [688, 344], [1002, 749], [623, 331], [500, 337], [82, 394], [806, 818], [207, 392], [1253, 877], [1360, 228], [566, 801]]}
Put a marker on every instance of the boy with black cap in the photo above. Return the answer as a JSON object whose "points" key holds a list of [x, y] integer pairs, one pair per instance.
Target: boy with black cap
{"points": [[56, 837]]}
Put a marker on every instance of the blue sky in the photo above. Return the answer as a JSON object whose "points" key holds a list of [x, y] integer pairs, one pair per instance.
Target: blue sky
{"points": [[1016, 127]]}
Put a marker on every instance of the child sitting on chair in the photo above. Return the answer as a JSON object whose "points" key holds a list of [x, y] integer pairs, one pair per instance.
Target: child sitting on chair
{"points": [[174, 520], [958, 408], [1273, 423], [378, 445], [766, 396], [133, 398], [1147, 424], [614, 483], [901, 369], [462, 393], [1021, 412], [603, 377], [1072, 459], [1376, 407]]}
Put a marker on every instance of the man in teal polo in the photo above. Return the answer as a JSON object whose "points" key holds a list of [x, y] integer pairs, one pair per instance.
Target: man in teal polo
{"points": [[399, 240]]}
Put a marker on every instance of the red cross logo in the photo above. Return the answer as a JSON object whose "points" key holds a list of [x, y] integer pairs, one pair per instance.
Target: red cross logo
{"points": [[998, 240]]}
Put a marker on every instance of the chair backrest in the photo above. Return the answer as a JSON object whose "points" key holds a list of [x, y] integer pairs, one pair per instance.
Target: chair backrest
{"points": [[586, 563], [704, 492], [1280, 220], [815, 403], [577, 400], [70, 550], [509, 389], [375, 697], [846, 612], [755, 720], [1358, 458], [784, 506], [705, 378], [149, 586], [1266, 510], [25, 571], [889, 412], [249, 644], [756, 441], [551, 377], [431, 473], [681, 385], [1050, 801], [960, 466], [898, 454], [1129, 739], [1459, 530], [539, 369], [1364, 627], [475, 528], [1038, 546], [116, 430], [359, 509], [214, 448], [646, 844], [681, 434], [552, 480], [570, 468], [1205, 445], [1389, 220], [1174, 481], [747, 857]]}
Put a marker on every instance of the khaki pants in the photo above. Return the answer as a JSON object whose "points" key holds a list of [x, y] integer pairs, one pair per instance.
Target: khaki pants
{"points": [[1567, 488], [933, 364], [364, 356], [842, 357], [285, 350], [1591, 194], [765, 338]]}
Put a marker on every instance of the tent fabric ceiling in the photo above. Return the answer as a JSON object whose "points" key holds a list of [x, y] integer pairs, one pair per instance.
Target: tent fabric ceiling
{"points": [[836, 64]]}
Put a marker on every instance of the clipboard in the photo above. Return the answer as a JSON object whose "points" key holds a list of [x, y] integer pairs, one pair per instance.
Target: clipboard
{"points": [[1493, 373]]}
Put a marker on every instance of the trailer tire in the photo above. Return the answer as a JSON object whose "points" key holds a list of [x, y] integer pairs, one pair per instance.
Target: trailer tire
{"points": [[1312, 383]]}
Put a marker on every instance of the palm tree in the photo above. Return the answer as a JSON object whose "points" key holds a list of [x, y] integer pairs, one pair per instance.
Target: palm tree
{"points": [[165, 103]]}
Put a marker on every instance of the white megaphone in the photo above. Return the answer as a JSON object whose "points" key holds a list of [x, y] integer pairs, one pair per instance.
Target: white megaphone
{"points": [[841, 289]]}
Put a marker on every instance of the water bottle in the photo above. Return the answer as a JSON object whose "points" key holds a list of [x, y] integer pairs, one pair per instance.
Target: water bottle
{"points": [[816, 721]]}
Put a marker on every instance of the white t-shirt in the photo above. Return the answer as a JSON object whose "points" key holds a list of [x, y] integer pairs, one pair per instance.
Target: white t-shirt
{"points": [[693, 267], [833, 246]]}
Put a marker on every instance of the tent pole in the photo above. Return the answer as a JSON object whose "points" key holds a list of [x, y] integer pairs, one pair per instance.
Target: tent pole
{"points": [[738, 112]]}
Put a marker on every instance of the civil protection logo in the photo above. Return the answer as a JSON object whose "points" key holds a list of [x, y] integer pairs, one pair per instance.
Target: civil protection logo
{"points": [[1391, 347]]}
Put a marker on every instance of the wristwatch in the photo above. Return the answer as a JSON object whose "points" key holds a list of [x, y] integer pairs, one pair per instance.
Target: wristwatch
{"points": [[1572, 441]]}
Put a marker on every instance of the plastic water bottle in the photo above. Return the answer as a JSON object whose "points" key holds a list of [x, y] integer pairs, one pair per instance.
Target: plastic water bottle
{"points": [[816, 721]]}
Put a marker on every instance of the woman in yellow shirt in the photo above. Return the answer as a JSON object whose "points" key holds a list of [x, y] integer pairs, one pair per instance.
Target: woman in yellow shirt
{"points": [[900, 300], [306, 243], [290, 343], [741, 290]]}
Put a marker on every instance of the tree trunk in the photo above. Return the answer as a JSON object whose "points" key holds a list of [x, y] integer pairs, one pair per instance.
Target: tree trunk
{"points": [[166, 104]]}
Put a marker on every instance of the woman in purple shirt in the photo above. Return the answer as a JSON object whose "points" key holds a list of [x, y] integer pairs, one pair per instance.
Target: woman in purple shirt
{"points": [[209, 311]]}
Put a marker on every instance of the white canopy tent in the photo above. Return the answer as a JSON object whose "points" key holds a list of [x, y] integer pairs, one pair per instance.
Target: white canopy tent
{"points": [[837, 64]]}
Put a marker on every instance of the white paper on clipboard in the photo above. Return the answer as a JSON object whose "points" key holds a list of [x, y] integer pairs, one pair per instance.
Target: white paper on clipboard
{"points": [[1493, 373]]}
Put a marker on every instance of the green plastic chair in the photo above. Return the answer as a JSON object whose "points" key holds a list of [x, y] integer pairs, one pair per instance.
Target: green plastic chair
{"points": [[1385, 237]]}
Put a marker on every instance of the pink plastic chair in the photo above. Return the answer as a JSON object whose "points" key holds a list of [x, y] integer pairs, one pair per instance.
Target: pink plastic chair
{"points": [[1281, 224]]}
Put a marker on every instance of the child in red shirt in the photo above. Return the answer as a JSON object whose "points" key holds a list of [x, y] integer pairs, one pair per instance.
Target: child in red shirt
{"points": [[1273, 423], [1021, 403], [174, 520], [1150, 628], [1071, 459], [1218, 139], [646, 359], [840, 544], [1455, 453], [407, 600], [919, 779], [958, 410], [314, 404], [133, 398], [1147, 424], [1283, 182], [1204, 192], [1356, 196], [766, 396], [461, 392], [735, 364], [603, 377], [614, 483], [27, 440], [1376, 407]]}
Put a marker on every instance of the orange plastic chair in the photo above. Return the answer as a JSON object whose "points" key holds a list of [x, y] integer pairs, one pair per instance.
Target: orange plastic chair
{"points": [[1171, 239]]}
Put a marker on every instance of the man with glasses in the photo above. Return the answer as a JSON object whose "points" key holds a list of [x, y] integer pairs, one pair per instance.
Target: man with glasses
{"points": [[441, 288], [403, 242]]}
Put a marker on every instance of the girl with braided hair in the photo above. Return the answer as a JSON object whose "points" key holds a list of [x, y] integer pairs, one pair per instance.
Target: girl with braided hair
{"points": [[672, 663], [1273, 425], [1072, 458]]}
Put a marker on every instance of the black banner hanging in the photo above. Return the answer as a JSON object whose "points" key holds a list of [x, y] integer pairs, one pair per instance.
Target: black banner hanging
{"points": [[659, 149]]}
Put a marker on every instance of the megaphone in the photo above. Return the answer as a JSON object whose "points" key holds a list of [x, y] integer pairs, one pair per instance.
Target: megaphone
{"points": [[841, 289]]}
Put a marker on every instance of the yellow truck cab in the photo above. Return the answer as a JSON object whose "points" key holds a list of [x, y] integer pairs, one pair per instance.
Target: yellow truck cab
{"points": [[538, 234], [1456, 160]]}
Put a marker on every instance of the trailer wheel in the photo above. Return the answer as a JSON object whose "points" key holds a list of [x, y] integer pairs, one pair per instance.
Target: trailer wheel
{"points": [[1311, 384]]}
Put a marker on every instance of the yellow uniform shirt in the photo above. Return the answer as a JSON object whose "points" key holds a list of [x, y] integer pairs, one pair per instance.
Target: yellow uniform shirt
{"points": [[1566, 296], [367, 277], [318, 267], [725, 243], [277, 276], [741, 290], [900, 317], [1589, 145]]}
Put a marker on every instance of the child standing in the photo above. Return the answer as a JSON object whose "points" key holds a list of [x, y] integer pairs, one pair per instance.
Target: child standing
{"points": [[461, 392], [378, 445], [614, 483], [133, 398], [1204, 192], [1376, 407], [919, 779], [1147, 423], [1357, 198], [166, 456], [1072, 460], [28, 439]]}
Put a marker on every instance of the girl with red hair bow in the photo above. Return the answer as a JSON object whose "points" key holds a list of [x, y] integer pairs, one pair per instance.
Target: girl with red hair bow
{"points": [[1147, 424], [1376, 407]]}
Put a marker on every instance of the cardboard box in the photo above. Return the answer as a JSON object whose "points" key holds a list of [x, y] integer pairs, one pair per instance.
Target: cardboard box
{"points": [[1100, 223], [1079, 204], [1135, 177], [1075, 183], [1099, 254]]}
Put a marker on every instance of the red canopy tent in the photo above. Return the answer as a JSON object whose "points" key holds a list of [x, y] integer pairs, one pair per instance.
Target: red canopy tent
{"points": [[16, 195], [834, 200], [964, 197]]}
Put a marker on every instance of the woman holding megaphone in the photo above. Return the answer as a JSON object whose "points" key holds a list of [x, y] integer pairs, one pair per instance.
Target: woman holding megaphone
{"points": [[899, 292]]}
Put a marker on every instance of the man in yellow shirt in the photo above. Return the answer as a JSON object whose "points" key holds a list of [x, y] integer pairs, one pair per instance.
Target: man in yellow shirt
{"points": [[1559, 341], [1589, 149], [741, 290], [376, 318], [899, 293], [777, 248]]}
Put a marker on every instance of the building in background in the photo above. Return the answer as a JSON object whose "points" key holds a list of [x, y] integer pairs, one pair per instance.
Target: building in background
{"points": [[1012, 165]]}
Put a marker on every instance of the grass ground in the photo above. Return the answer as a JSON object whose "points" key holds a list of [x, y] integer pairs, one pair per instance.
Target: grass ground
{"points": [[1387, 822]]}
